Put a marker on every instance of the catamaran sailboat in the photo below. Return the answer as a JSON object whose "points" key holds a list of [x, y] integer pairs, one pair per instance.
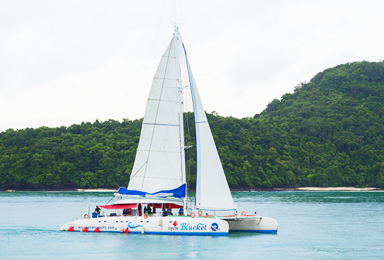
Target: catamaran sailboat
{"points": [[158, 177]]}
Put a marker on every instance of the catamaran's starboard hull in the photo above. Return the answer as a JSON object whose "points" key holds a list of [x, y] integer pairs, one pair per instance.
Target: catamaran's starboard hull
{"points": [[253, 224], [172, 225]]}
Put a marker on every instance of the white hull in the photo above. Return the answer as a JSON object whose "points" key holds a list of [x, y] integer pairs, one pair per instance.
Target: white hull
{"points": [[256, 224], [171, 225]]}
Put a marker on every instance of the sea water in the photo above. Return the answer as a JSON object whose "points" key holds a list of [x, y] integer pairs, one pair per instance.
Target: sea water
{"points": [[312, 225]]}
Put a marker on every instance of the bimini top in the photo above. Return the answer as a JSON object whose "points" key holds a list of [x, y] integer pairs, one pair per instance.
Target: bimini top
{"points": [[132, 203]]}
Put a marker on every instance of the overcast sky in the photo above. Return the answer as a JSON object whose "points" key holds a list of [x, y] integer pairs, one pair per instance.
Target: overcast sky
{"points": [[65, 62]]}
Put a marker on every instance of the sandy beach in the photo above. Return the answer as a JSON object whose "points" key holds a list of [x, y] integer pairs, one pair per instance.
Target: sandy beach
{"points": [[335, 189], [96, 190]]}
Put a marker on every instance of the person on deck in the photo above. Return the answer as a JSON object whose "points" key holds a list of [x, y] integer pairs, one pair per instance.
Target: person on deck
{"points": [[145, 209], [139, 209], [97, 210], [168, 212], [149, 210], [181, 211]]}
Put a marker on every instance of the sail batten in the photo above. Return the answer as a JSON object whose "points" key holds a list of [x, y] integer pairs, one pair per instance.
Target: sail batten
{"points": [[160, 124]]}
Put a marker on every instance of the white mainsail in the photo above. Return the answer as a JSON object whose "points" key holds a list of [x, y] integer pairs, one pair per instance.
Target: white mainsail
{"points": [[212, 190], [158, 164]]}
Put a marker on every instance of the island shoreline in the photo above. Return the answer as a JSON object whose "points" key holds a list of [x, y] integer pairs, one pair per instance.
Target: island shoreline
{"points": [[317, 189]]}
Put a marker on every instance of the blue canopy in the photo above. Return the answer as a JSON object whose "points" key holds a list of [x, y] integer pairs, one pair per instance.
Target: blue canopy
{"points": [[177, 193]]}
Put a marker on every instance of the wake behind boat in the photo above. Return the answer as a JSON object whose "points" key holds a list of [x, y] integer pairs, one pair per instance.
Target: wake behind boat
{"points": [[159, 170]]}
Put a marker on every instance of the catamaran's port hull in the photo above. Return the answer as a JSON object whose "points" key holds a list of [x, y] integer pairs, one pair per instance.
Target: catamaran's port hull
{"points": [[253, 224], [171, 225]]}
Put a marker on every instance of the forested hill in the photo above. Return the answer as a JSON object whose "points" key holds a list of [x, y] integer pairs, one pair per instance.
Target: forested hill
{"points": [[329, 132]]}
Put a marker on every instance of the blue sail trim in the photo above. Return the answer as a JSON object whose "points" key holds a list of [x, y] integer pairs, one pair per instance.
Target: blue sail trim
{"points": [[179, 192]]}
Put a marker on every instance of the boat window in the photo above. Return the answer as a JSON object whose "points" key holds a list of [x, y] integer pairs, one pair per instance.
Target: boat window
{"points": [[99, 221], [105, 221], [117, 221]]}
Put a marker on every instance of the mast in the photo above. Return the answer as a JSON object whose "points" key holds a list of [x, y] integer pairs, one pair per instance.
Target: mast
{"points": [[181, 113]]}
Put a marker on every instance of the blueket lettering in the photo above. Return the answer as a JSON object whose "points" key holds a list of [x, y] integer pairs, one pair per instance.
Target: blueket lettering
{"points": [[187, 226]]}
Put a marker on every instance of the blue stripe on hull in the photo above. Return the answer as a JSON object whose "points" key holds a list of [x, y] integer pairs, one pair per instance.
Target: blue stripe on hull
{"points": [[255, 231], [185, 233], [165, 233]]}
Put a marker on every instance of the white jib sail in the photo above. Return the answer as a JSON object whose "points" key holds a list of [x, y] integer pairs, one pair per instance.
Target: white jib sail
{"points": [[212, 190], [158, 163]]}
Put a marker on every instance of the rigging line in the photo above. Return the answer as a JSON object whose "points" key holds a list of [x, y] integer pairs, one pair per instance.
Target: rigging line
{"points": [[173, 174], [149, 60], [191, 86], [188, 157], [181, 125], [110, 200], [187, 152], [180, 106], [157, 113], [240, 206], [171, 103], [232, 225], [181, 11], [138, 171], [146, 73], [181, 128], [188, 141]]}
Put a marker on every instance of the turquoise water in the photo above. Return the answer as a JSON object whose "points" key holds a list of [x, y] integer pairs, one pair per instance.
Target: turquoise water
{"points": [[312, 225]]}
